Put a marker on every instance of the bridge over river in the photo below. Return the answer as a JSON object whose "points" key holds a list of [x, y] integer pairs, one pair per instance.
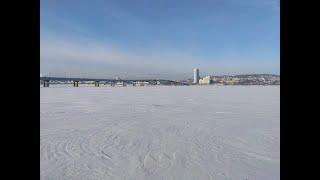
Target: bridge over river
{"points": [[75, 81]]}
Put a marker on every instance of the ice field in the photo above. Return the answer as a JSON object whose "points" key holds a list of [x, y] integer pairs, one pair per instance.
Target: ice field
{"points": [[160, 132]]}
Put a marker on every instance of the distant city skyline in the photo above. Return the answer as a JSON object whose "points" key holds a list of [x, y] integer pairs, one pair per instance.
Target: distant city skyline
{"points": [[159, 39]]}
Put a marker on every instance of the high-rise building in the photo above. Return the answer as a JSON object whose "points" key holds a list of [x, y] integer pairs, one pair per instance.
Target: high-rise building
{"points": [[196, 76]]}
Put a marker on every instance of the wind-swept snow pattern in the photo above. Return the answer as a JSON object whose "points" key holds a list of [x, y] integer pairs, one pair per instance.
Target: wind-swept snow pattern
{"points": [[182, 132]]}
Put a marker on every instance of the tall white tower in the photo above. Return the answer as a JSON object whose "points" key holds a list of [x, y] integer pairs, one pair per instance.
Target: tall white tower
{"points": [[196, 76]]}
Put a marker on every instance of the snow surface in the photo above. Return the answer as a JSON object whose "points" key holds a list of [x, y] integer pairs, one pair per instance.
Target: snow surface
{"points": [[160, 132]]}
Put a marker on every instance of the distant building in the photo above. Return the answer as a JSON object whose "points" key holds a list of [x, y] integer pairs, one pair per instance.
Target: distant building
{"points": [[122, 83], [139, 83], [196, 76], [205, 80]]}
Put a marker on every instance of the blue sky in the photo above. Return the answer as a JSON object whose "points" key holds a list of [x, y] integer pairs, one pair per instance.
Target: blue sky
{"points": [[159, 38]]}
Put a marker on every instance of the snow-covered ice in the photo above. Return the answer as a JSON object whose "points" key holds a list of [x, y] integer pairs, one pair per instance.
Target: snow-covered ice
{"points": [[160, 132]]}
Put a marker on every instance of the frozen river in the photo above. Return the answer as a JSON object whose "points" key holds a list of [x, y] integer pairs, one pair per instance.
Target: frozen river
{"points": [[187, 132]]}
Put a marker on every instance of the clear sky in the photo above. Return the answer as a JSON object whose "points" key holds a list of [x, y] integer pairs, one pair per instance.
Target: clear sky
{"points": [[159, 38]]}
